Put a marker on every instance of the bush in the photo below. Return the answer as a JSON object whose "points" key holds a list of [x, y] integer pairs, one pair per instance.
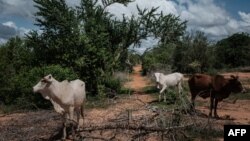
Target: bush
{"points": [[112, 83], [20, 92]]}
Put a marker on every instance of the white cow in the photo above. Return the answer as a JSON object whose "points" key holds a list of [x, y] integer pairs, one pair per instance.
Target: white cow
{"points": [[65, 96], [170, 80]]}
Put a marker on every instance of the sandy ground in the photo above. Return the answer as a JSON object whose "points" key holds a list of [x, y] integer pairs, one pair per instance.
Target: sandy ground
{"points": [[41, 125], [137, 82]]}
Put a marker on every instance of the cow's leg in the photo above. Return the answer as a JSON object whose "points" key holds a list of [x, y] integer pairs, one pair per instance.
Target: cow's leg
{"points": [[66, 116], [215, 108], [180, 89], [79, 118], [71, 112], [211, 106], [193, 96], [78, 114], [71, 118], [159, 97], [164, 96], [162, 90]]}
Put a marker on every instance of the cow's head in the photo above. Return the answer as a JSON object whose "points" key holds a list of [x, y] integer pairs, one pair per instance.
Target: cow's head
{"points": [[43, 83], [157, 76], [236, 85]]}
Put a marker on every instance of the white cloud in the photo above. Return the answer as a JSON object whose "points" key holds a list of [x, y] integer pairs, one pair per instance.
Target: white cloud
{"points": [[73, 3], [118, 10], [245, 22], [245, 16], [164, 6], [10, 24], [150, 42], [3, 41], [23, 8], [203, 13], [9, 29], [212, 19]]}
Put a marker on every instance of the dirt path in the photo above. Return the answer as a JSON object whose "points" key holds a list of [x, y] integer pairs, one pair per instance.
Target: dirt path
{"points": [[137, 82], [135, 101]]}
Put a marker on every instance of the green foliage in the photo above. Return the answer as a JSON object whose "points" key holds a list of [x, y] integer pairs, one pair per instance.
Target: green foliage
{"points": [[84, 42], [91, 40], [21, 93], [112, 83], [233, 51], [193, 54], [158, 59], [15, 58], [59, 41]]}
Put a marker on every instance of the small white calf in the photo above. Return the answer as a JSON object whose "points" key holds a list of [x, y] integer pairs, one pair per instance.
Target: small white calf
{"points": [[65, 96], [170, 80]]}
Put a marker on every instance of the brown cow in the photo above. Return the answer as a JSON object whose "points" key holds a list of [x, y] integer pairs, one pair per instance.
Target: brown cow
{"points": [[216, 87]]}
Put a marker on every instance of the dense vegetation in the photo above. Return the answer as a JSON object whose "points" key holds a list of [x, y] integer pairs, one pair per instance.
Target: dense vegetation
{"points": [[194, 53], [89, 43], [85, 42]]}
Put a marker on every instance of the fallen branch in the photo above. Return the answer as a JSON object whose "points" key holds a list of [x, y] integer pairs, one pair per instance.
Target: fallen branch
{"points": [[94, 137], [132, 127]]}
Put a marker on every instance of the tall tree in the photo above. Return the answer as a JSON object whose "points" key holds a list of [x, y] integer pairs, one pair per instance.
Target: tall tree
{"points": [[233, 51], [15, 58], [59, 40], [90, 40], [192, 54]]}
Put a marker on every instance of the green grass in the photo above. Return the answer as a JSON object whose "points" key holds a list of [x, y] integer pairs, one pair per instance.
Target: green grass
{"points": [[150, 90], [125, 91], [97, 102], [103, 101]]}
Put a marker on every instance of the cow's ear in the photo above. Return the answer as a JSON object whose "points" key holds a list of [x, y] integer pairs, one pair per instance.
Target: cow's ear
{"points": [[232, 76], [48, 78]]}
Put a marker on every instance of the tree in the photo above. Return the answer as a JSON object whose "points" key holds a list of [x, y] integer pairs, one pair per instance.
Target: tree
{"points": [[15, 58], [233, 51], [159, 58], [59, 40], [193, 54], [88, 38]]}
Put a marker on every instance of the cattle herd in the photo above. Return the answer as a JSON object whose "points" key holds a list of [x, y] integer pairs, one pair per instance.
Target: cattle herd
{"points": [[216, 87], [68, 97]]}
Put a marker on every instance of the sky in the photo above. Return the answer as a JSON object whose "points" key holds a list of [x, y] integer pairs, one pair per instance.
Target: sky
{"points": [[216, 18]]}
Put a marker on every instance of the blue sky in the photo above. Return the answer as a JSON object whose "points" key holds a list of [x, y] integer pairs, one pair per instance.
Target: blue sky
{"points": [[216, 18], [233, 6]]}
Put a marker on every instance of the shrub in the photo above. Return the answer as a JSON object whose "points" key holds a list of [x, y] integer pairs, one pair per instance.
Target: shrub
{"points": [[20, 92]]}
